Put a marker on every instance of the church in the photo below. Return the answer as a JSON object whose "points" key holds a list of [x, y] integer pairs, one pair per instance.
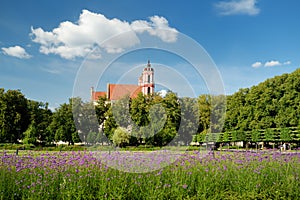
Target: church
{"points": [[117, 91]]}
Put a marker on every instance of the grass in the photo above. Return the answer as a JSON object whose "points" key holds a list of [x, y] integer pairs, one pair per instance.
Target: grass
{"points": [[194, 175]]}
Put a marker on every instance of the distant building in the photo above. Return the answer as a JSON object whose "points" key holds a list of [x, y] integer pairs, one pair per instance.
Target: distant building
{"points": [[117, 91]]}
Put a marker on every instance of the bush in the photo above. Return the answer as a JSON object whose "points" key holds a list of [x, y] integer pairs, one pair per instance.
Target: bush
{"points": [[121, 137]]}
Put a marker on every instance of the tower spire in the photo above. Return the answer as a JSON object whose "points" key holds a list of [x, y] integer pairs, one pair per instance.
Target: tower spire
{"points": [[147, 80]]}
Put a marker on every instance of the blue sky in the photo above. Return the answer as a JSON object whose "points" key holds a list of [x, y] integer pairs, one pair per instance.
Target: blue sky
{"points": [[44, 44]]}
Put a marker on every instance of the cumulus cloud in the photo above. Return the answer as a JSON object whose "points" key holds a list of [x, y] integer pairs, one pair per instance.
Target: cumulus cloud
{"points": [[234, 7], [257, 64], [16, 51], [92, 30], [158, 26], [271, 63]]}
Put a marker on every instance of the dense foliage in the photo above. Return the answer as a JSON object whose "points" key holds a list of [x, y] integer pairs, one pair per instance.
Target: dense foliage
{"points": [[274, 103], [268, 112]]}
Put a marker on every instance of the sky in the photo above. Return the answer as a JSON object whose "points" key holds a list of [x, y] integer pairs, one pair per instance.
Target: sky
{"points": [[53, 50]]}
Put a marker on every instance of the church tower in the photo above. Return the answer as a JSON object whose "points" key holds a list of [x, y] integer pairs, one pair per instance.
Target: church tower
{"points": [[146, 80]]}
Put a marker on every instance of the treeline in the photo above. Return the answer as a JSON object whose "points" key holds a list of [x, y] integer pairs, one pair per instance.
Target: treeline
{"points": [[21, 118], [151, 120], [270, 137], [251, 115], [274, 103]]}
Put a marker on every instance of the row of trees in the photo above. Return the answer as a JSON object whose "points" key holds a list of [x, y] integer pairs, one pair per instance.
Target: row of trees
{"points": [[152, 120], [276, 136], [156, 120]]}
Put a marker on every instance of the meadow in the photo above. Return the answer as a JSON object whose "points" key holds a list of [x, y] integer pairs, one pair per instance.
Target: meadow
{"points": [[154, 175]]}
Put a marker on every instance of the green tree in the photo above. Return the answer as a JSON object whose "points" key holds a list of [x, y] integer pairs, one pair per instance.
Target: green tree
{"points": [[204, 109], [269, 136], [172, 108], [30, 134], [189, 120], [139, 112], [121, 137], [14, 115], [110, 124], [41, 116], [226, 137], [255, 137], [120, 111], [91, 138], [85, 118], [63, 125], [217, 116], [158, 117], [285, 135], [101, 108], [235, 137], [173, 111]]}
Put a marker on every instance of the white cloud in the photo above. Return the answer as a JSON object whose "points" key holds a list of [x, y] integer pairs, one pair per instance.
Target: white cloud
{"points": [[257, 64], [234, 7], [70, 40], [16, 51], [158, 26], [272, 63]]}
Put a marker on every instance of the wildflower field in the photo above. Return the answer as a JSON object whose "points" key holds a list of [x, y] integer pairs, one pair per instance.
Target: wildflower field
{"points": [[192, 175]]}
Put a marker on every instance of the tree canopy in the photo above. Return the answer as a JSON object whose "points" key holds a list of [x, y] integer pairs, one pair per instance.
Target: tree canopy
{"points": [[269, 111]]}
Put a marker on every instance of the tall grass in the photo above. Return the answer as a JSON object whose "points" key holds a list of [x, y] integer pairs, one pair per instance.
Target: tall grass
{"points": [[85, 175]]}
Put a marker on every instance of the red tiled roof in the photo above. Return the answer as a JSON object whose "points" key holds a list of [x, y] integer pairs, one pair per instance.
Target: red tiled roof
{"points": [[96, 95], [117, 91]]}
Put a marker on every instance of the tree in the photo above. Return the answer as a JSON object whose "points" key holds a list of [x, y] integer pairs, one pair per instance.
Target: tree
{"points": [[139, 112], [91, 138], [110, 124], [3, 131], [41, 117], [63, 125], [285, 135], [14, 115], [158, 117], [217, 116], [101, 108], [120, 111], [235, 137], [30, 134], [172, 110], [165, 136], [234, 112], [204, 109], [121, 137], [226, 137], [85, 118], [255, 137], [269, 136], [189, 120]]}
